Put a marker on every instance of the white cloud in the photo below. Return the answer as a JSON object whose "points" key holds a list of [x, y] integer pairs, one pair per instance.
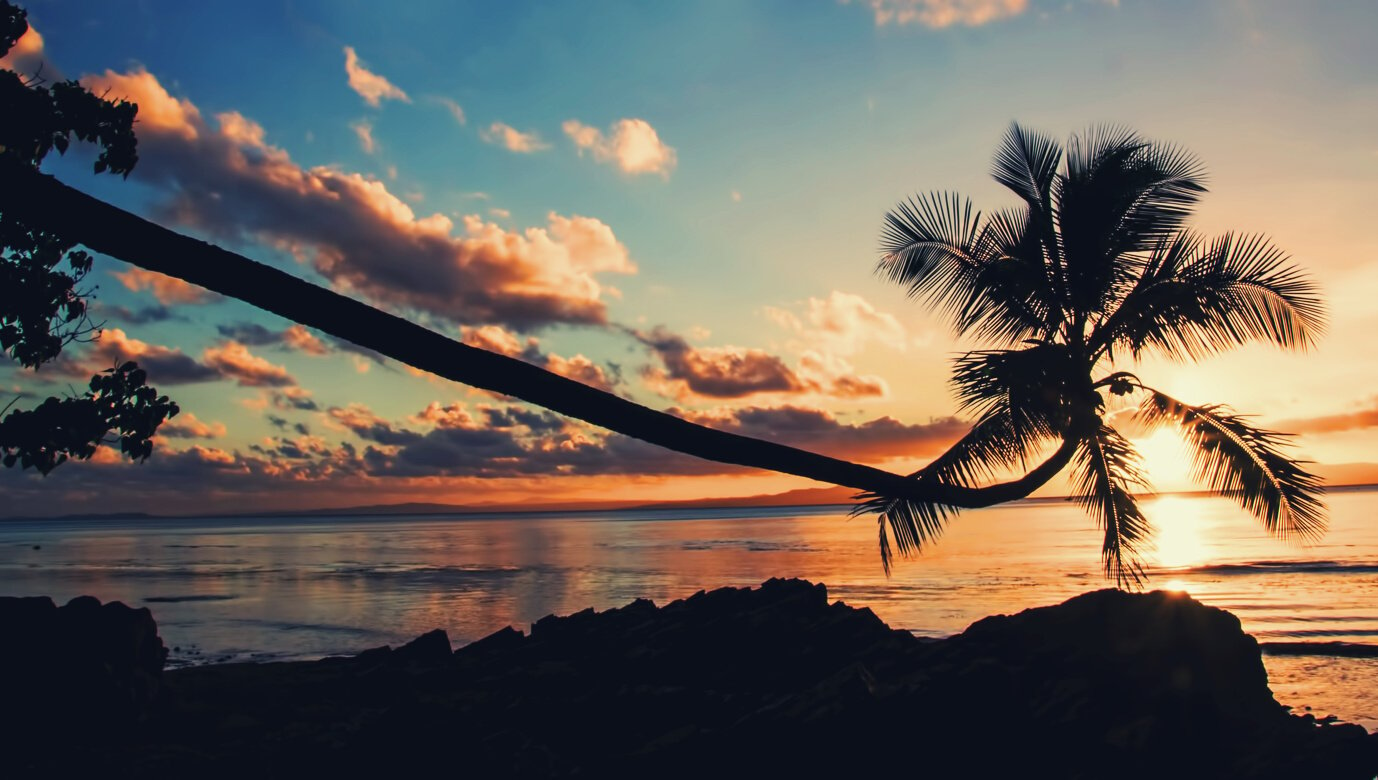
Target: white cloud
{"points": [[364, 130], [455, 109], [842, 323], [630, 144], [938, 14], [372, 87], [848, 321], [512, 139]]}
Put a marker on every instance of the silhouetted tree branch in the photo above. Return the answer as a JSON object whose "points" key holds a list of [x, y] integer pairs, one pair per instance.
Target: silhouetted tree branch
{"points": [[42, 307]]}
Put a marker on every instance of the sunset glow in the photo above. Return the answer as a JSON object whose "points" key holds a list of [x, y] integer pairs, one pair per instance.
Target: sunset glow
{"points": [[679, 205]]}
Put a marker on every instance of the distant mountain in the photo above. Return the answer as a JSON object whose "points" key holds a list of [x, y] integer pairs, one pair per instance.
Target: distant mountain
{"points": [[801, 497], [1358, 475]]}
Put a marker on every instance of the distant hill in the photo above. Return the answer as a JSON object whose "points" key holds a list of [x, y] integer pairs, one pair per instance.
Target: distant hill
{"points": [[801, 497], [1335, 477]]}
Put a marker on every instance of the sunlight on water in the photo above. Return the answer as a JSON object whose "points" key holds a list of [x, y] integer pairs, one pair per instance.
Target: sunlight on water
{"points": [[1178, 586], [263, 589], [1181, 532]]}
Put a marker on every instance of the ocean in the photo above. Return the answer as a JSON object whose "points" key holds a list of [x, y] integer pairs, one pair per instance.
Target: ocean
{"points": [[285, 588]]}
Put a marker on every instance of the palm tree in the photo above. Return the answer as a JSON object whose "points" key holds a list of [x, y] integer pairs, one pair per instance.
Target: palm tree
{"points": [[1096, 264], [1013, 277]]}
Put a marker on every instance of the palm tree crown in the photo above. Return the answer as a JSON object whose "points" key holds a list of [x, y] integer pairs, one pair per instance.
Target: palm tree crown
{"points": [[1096, 263]]}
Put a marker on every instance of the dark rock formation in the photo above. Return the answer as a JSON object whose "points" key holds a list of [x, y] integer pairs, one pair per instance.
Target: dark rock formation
{"points": [[86, 668], [765, 682]]}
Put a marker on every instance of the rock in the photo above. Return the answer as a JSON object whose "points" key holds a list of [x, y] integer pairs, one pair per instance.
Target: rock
{"points": [[771, 681], [428, 651], [501, 641], [86, 667]]}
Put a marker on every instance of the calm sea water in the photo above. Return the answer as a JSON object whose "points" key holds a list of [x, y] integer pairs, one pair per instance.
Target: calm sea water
{"points": [[236, 589]]}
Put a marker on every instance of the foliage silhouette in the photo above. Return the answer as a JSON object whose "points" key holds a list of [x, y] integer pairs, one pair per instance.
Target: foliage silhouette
{"points": [[1096, 263], [42, 308]]}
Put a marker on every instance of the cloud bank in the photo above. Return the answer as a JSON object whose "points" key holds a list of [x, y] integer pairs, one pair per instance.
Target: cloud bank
{"points": [[226, 179]]}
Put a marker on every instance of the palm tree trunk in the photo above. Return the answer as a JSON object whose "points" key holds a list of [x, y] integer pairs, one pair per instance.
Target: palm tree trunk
{"points": [[44, 202]]}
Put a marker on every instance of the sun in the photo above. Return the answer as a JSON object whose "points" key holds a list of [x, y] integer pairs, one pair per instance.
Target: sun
{"points": [[1165, 461]]}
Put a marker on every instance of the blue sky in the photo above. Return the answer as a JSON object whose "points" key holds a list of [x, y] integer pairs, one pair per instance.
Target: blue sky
{"points": [[684, 189]]}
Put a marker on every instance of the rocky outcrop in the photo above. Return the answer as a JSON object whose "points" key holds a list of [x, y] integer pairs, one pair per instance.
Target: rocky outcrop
{"points": [[772, 681], [84, 668]]}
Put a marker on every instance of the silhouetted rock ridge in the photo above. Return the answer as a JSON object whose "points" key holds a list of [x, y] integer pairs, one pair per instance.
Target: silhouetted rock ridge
{"points": [[765, 682]]}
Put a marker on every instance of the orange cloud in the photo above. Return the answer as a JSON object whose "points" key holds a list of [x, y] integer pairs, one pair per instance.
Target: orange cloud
{"points": [[229, 181], [167, 289], [834, 376], [512, 139], [187, 426], [818, 430], [297, 337], [445, 416], [159, 112], [738, 372], [1335, 423], [630, 144], [494, 339], [372, 87], [164, 365], [578, 368], [26, 56], [234, 361]]}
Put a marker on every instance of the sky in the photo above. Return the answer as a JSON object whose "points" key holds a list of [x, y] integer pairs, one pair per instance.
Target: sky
{"points": [[677, 202]]}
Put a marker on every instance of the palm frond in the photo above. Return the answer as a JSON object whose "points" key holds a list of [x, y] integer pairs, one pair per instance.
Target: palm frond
{"points": [[991, 446], [987, 276], [1026, 163], [1246, 463], [995, 444], [1193, 299], [928, 244], [1121, 195], [1107, 473], [1167, 182], [1032, 387], [1011, 299], [914, 523]]}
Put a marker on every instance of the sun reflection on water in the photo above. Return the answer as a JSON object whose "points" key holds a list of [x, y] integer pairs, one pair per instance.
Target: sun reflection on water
{"points": [[1180, 538]]}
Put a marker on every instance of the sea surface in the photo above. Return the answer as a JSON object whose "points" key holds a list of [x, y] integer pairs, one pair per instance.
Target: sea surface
{"points": [[270, 588]]}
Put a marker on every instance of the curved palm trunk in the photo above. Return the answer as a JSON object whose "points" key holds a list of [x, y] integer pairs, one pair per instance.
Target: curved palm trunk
{"points": [[43, 201]]}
